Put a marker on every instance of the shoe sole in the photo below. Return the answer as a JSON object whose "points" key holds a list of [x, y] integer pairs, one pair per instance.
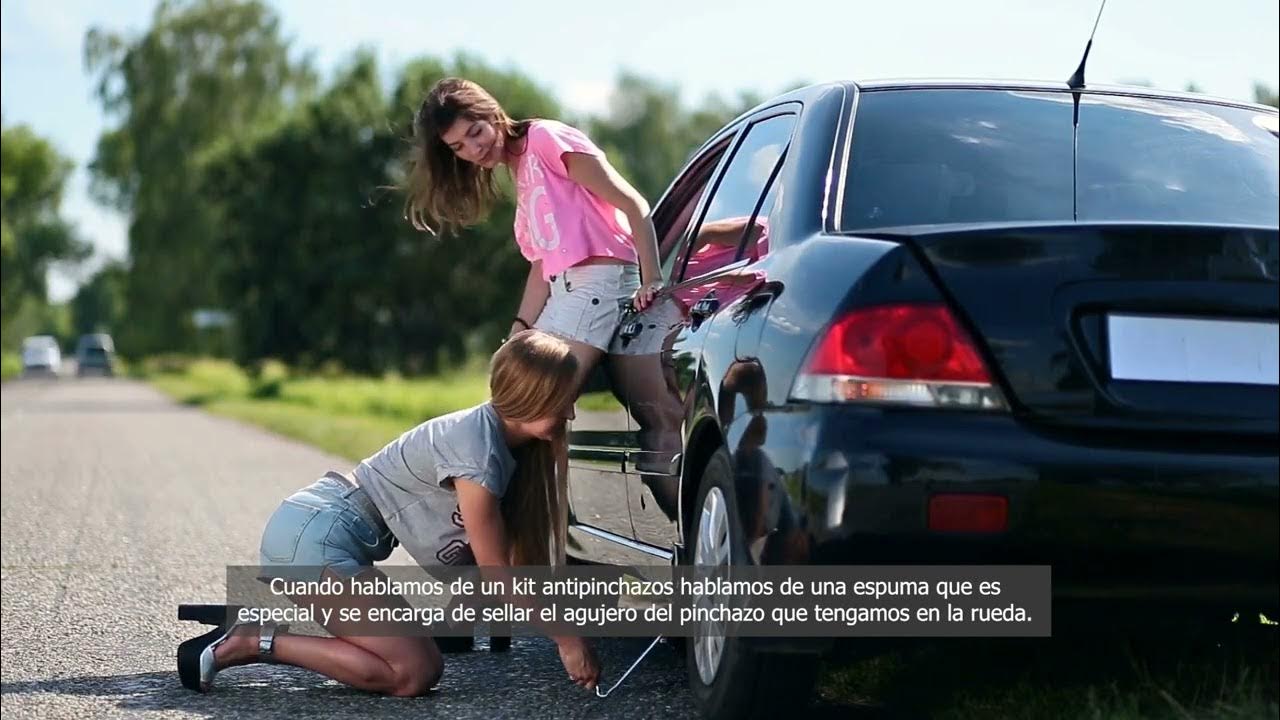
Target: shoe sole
{"points": [[208, 613]]}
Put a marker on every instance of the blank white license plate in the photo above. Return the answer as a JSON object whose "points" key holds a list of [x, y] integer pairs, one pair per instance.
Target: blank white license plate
{"points": [[1169, 349]]}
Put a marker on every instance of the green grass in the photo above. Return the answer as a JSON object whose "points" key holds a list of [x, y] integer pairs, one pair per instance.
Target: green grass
{"points": [[1209, 671], [411, 401], [10, 365], [348, 416], [353, 437], [602, 401]]}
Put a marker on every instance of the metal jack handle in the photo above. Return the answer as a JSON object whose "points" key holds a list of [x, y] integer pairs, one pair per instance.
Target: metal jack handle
{"points": [[605, 693]]}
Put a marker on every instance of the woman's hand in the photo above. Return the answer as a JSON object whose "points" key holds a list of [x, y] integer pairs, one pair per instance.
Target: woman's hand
{"points": [[643, 297], [579, 661]]}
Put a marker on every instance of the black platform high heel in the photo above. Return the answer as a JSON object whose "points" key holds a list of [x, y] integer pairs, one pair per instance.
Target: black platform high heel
{"points": [[197, 665]]}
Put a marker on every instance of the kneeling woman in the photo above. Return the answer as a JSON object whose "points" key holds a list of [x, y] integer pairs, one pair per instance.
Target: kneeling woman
{"points": [[478, 485]]}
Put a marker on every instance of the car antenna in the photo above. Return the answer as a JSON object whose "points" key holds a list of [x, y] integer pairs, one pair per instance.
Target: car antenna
{"points": [[1076, 81]]}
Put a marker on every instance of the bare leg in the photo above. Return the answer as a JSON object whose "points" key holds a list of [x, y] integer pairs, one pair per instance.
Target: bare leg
{"points": [[588, 357], [401, 666]]}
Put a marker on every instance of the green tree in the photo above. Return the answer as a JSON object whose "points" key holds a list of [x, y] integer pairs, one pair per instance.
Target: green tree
{"points": [[1262, 93], [323, 265], [648, 134], [33, 234], [38, 317], [98, 305], [304, 253], [205, 70]]}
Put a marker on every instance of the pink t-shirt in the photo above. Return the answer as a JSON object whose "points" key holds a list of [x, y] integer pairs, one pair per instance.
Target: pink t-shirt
{"points": [[559, 221]]}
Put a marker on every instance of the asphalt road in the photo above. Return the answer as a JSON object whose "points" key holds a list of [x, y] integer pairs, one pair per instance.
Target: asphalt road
{"points": [[117, 505]]}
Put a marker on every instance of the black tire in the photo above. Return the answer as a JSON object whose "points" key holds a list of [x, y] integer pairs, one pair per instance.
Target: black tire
{"points": [[747, 683]]}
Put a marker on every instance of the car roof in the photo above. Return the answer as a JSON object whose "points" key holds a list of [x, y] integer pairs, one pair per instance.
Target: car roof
{"points": [[878, 85]]}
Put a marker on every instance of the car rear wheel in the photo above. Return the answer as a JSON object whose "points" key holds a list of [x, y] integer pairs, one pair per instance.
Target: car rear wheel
{"points": [[730, 679]]}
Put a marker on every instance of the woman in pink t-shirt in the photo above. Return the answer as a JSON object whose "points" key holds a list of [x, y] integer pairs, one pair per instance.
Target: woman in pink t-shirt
{"points": [[585, 230]]}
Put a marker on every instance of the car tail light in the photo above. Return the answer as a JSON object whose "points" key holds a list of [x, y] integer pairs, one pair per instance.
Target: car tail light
{"points": [[898, 354], [968, 513]]}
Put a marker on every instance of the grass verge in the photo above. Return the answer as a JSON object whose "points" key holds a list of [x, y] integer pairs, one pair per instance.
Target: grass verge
{"points": [[1194, 665], [10, 365], [348, 416]]}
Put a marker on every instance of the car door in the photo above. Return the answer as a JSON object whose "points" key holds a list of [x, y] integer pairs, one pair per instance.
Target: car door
{"points": [[660, 349], [597, 446], [602, 434]]}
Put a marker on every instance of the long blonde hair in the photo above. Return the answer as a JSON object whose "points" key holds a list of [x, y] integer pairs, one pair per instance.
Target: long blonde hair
{"points": [[441, 187], [531, 377]]}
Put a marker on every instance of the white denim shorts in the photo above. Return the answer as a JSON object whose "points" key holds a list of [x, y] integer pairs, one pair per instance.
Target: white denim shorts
{"points": [[587, 302]]}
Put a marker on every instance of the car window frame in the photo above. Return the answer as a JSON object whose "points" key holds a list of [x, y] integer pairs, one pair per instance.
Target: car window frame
{"points": [[684, 190], [791, 109]]}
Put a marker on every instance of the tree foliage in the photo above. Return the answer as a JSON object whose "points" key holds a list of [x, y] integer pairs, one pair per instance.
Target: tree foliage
{"points": [[205, 71], [252, 189], [33, 233]]}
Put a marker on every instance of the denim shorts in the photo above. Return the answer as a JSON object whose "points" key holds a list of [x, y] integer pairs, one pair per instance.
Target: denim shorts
{"points": [[331, 523], [587, 301]]}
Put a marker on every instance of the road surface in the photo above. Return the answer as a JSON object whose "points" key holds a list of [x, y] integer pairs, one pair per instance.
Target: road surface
{"points": [[118, 505]]}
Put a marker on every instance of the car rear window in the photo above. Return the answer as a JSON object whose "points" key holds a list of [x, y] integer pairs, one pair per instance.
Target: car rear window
{"points": [[948, 156], [959, 156], [1162, 160]]}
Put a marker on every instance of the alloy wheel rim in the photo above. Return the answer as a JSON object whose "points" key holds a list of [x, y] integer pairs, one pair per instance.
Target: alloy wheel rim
{"points": [[711, 552]]}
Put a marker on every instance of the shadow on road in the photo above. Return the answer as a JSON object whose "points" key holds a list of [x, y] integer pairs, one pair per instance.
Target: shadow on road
{"points": [[527, 683], [264, 692]]}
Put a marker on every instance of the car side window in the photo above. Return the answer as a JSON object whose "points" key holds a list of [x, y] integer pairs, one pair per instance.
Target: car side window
{"points": [[741, 201], [673, 219]]}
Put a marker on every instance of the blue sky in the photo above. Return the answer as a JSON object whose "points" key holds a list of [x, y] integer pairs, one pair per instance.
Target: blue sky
{"points": [[577, 48]]}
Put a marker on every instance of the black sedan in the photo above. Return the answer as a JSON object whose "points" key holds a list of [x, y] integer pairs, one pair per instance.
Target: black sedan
{"points": [[951, 323]]}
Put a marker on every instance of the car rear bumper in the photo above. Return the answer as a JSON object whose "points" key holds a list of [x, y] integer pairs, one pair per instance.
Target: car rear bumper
{"points": [[1116, 518]]}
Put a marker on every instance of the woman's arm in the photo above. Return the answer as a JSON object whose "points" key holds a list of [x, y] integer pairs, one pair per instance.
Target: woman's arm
{"points": [[487, 534], [482, 517], [597, 175], [727, 232], [536, 291]]}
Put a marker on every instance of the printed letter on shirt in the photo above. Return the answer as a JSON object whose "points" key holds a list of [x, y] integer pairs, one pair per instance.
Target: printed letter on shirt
{"points": [[538, 211]]}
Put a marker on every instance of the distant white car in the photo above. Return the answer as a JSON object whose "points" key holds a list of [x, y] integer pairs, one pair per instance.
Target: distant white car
{"points": [[40, 354]]}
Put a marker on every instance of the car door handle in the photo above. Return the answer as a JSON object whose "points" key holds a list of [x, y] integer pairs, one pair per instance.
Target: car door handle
{"points": [[705, 307], [652, 463]]}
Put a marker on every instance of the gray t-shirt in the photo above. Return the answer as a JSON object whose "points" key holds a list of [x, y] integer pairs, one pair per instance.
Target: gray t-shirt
{"points": [[410, 480]]}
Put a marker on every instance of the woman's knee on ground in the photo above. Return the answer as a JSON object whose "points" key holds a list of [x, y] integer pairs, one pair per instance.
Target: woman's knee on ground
{"points": [[416, 677]]}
